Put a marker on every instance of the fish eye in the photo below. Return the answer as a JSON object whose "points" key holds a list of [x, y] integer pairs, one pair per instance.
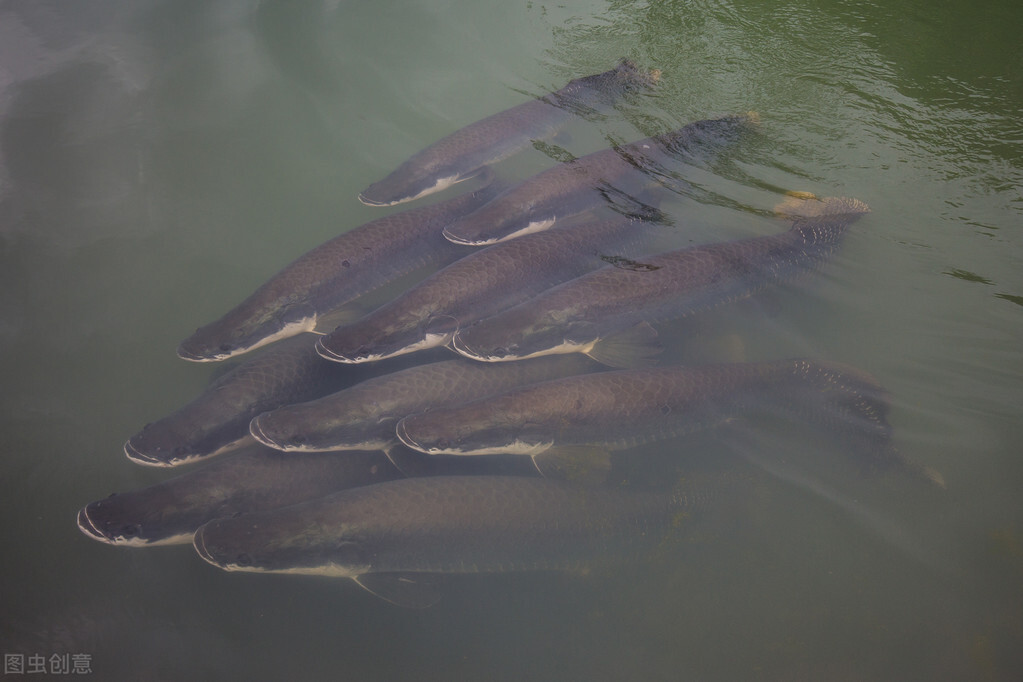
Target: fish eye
{"points": [[244, 560], [298, 439], [129, 530], [500, 352], [226, 347]]}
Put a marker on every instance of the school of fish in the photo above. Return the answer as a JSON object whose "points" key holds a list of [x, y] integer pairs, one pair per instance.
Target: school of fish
{"points": [[478, 421]]}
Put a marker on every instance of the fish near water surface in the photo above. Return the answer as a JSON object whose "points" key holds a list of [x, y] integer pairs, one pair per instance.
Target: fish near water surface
{"points": [[590, 414], [365, 415], [462, 154], [219, 418], [335, 273], [611, 175], [607, 313], [254, 479], [480, 284], [389, 537]]}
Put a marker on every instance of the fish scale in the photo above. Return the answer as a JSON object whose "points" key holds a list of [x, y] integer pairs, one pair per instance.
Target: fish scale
{"points": [[461, 154], [619, 409], [480, 284], [576, 315], [335, 273], [364, 415]]}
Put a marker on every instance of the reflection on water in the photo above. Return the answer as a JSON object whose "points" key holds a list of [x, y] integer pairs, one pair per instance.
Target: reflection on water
{"points": [[158, 161]]}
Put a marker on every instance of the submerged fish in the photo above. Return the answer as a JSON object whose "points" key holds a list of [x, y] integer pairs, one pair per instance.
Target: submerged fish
{"points": [[481, 284], [605, 313], [255, 479], [331, 275], [219, 418], [387, 536], [462, 154], [608, 176], [576, 416], [364, 416]]}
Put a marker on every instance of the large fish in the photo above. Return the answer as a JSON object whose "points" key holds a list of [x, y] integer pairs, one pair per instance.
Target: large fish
{"points": [[338, 271], [387, 536], [365, 415], [610, 176], [606, 313], [479, 285], [462, 154], [583, 416], [254, 479], [219, 418]]}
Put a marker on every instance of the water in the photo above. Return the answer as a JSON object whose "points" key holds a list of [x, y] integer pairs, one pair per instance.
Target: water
{"points": [[160, 160]]}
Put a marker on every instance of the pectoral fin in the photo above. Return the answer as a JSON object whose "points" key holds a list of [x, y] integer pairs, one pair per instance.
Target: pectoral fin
{"points": [[583, 464], [637, 346], [408, 590]]}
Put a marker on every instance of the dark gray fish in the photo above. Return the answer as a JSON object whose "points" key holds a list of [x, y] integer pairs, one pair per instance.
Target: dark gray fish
{"points": [[605, 313], [335, 273], [462, 154], [219, 418], [364, 416], [479, 285], [609, 176], [254, 479], [387, 536], [593, 413]]}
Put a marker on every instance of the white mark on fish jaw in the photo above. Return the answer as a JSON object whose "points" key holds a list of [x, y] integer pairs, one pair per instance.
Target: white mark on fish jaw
{"points": [[306, 324], [561, 349], [533, 226], [439, 186], [428, 341]]}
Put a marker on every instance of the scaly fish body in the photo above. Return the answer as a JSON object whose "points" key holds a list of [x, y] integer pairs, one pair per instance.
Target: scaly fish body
{"points": [[254, 479], [365, 415], [331, 275], [584, 314], [481, 284], [219, 417], [383, 535], [608, 176], [462, 154]]}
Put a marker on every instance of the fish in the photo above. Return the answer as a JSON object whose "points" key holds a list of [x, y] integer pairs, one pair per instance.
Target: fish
{"points": [[252, 479], [480, 284], [607, 313], [575, 421], [364, 416], [218, 419], [462, 154], [305, 293], [610, 176], [390, 537]]}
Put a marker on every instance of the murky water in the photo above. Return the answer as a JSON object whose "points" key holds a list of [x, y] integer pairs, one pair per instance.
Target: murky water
{"points": [[160, 160]]}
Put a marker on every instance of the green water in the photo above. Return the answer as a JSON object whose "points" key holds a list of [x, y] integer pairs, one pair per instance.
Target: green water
{"points": [[160, 160]]}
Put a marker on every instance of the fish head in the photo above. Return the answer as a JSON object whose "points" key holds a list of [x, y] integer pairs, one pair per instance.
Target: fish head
{"points": [[518, 334], [497, 222], [152, 516], [182, 437], [322, 425], [476, 428], [295, 539], [258, 321], [369, 339], [604, 88]]}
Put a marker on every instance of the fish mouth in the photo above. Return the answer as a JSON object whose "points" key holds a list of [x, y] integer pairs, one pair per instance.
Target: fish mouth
{"points": [[90, 528], [374, 202], [198, 356], [199, 542], [257, 432], [403, 436], [467, 241], [139, 457], [334, 356], [458, 345]]}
